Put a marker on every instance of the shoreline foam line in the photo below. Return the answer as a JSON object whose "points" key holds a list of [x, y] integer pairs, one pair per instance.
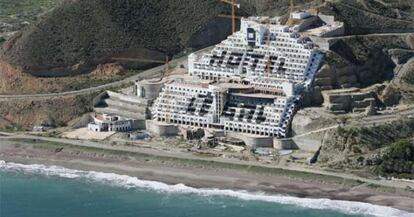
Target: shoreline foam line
{"points": [[129, 182]]}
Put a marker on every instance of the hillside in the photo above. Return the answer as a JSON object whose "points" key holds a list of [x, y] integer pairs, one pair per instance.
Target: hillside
{"points": [[363, 60], [17, 14], [385, 149], [372, 16], [70, 47], [23, 114], [78, 35]]}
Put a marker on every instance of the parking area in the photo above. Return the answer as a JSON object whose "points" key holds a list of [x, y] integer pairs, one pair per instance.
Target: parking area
{"points": [[85, 134]]}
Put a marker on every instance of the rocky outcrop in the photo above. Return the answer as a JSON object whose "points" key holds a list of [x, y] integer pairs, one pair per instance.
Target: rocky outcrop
{"points": [[363, 17], [108, 69], [15, 81], [358, 62], [351, 147], [57, 111], [370, 110], [352, 99], [401, 56], [401, 88]]}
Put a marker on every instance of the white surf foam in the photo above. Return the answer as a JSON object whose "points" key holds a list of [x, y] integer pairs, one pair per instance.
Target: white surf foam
{"points": [[133, 182]]}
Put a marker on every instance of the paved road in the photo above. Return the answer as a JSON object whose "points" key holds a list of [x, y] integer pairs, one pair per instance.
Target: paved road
{"points": [[369, 12], [316, 131], [145, 74], [370, 120], [150, 73], [368, 35], [383, 118]]}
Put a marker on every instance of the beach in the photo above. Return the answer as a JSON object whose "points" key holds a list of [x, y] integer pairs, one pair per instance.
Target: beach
{"points": [[204, 173]]}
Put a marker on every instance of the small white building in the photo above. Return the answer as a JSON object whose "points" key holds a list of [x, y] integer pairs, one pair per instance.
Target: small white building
{"points": [[41, 128], [112, 123], [299, 15]]}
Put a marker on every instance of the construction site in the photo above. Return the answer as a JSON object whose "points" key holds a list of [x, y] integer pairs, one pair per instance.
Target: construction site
{"points": [[249, 86], [245, 90], [308, 98]]}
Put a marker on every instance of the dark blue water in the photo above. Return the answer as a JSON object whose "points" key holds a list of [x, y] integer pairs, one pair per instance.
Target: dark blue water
{"points": [[27, 194]]}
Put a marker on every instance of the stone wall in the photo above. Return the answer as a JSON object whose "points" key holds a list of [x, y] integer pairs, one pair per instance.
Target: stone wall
{"points": [[309, 143], [351, 99]]}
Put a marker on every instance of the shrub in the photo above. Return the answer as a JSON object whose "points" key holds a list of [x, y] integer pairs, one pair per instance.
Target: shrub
{"points": [[398, 159]]}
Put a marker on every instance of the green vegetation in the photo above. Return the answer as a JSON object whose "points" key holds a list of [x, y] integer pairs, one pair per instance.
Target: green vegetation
{"points": [[380, 187], [12, 129], [398, 161], [60, 41], [25, 7], [80, 34], [409, 78], [371, 151], [375, 137], [16, 13], [371, 16]]}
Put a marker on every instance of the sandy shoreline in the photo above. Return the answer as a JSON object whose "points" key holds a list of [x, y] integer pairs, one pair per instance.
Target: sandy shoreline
{"points": [[204, 176]]}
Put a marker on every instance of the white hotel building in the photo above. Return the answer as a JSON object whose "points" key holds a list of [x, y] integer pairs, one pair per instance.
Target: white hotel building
{"points": [[249, 83]]}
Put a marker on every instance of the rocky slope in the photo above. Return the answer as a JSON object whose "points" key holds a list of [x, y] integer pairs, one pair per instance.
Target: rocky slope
{"points": [[367, 148], [80, 34], [401, 88], [16, 15], [15, 81], [361, 61], [372, 16], [25, 113]]}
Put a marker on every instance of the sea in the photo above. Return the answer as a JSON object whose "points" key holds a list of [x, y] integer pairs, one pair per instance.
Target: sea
{"points": [[53, 191]]}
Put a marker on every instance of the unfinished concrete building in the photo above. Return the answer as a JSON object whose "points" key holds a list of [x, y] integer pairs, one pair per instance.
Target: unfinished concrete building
{"points": [[249, 83], [352, 99]]}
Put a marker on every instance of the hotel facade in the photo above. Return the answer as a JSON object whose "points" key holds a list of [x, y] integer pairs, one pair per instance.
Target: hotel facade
{"points": [[250, 83]]}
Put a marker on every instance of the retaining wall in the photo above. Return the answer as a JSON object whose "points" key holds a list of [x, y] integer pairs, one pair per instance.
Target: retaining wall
{"points": [[161, 129], [253, 140]]}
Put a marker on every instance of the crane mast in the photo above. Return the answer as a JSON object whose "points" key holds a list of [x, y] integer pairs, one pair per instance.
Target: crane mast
{"points": [[234, 5], [268, 69]]}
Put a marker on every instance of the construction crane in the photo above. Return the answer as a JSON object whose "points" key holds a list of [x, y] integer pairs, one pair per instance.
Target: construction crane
{"points": [[229, 16], [166, 74], [268, 70], [290, 21], [167, 70], [234, 5]]}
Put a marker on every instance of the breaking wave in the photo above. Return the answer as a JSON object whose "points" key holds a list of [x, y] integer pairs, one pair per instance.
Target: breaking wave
{"points": [[133, 182]]}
